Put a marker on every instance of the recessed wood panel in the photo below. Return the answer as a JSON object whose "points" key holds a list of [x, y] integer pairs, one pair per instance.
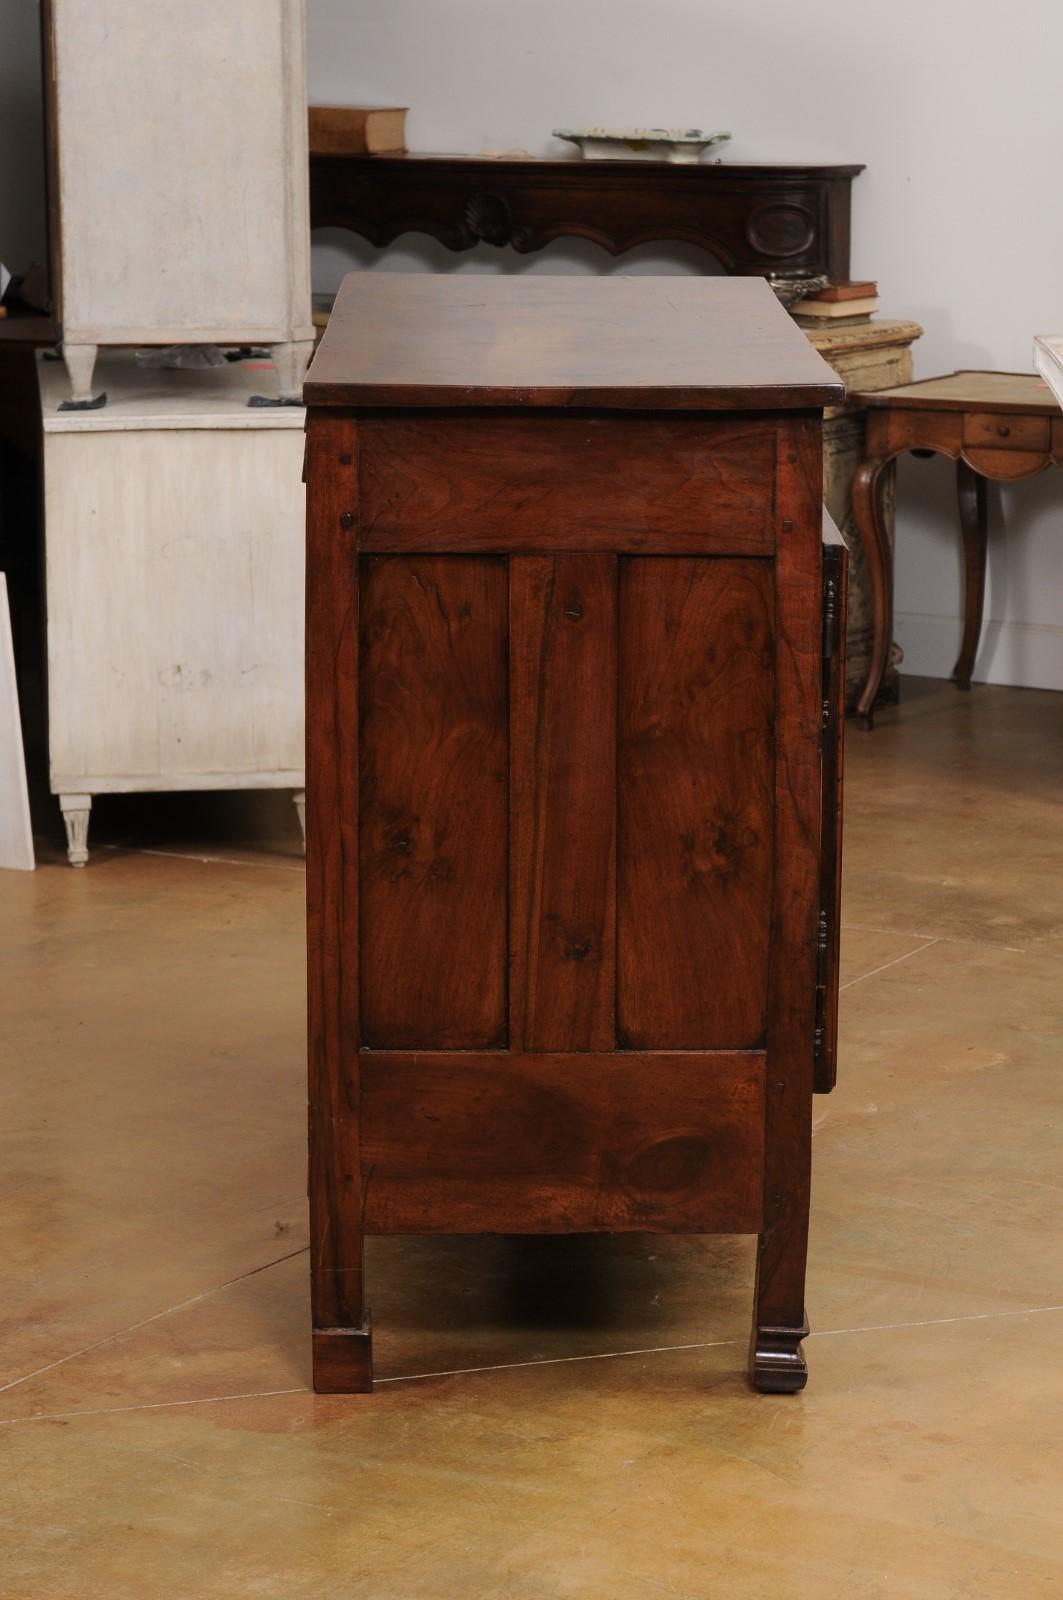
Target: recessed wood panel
{"points": [[563, 676], [694, 802], [562, 1143], [685, 484], [433, 809]]}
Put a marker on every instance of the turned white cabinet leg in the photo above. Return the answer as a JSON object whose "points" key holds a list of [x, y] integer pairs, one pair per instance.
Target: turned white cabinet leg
{"points": [[80, 364], [299, 799], [75, 809], [291, 361]]}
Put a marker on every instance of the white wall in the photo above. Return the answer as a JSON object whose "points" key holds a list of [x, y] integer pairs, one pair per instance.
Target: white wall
{"points": [[953, 105]]}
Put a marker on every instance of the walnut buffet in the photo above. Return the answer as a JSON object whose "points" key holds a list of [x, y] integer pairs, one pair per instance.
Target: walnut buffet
{"points": [[574, 690]]}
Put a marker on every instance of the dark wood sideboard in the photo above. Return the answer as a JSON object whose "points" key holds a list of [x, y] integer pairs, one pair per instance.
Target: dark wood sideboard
{"points": [[574, 700], [773, 220]]}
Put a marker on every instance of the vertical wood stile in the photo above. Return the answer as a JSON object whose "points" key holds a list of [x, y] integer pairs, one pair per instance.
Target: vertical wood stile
{"points": [[341, 1338], [563, 620], [780, 1315]]}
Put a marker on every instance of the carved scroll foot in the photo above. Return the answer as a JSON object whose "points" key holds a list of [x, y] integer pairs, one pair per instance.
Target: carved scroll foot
{"points": [[776, 1360], [343, 1359], [76, 809]]}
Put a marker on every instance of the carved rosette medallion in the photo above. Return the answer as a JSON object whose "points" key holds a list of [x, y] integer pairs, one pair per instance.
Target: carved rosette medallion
{"points": [[781, 228]]}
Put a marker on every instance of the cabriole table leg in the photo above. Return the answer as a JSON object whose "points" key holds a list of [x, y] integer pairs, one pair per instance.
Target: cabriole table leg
{"points": [[874, 537], [971, 493]]}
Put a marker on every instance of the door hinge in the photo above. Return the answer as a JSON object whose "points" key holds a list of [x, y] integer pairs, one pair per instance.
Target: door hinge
{"points": [[830, 616], [830, 643], [822, 947]]}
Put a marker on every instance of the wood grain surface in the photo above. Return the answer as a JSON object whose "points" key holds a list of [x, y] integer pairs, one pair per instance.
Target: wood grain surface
{"points": [[563, 805], [426, 339], [572, 1143], [332, 880], [694, 802], [685, 484], [969, 391], [779, 1318], [433, 801]]}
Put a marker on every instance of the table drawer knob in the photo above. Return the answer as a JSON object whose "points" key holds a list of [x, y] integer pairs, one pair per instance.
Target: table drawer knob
{"points": [[1003, 431]]}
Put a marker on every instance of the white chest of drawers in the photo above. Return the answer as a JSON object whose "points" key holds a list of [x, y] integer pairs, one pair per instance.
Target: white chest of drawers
{"points": [[174, 549]]}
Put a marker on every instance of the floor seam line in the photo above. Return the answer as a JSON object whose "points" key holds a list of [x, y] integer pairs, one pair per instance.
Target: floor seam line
{"points": [[886, 965], [937, 1322], [938, 938], [516, 1366], [557, 1361], [156, 1316], [154, 1405], [208, 861]]}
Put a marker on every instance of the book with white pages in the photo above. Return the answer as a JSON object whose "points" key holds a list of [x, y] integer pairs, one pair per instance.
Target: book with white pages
{"points": [[1048, 359]]}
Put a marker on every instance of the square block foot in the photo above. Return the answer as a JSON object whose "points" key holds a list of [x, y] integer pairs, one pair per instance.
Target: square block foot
{"points": [[343, 1360]]}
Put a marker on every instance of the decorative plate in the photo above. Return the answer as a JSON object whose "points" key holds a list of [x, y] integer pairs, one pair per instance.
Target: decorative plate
{"points": [[640, 144]]}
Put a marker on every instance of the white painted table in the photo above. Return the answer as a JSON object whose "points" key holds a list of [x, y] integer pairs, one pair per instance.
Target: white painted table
{"points": [[174, 526]]}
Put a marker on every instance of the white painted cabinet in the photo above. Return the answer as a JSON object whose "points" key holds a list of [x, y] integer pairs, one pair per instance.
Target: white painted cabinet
{"points": [[174, 527], [178, 177]]}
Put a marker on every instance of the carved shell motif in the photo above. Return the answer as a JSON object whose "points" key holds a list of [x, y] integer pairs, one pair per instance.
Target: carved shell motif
{"points": [[487, 218]]}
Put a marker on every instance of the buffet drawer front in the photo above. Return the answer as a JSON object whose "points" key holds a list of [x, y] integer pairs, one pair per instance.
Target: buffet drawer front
{"points": [[677, 485], [498, 1143]]}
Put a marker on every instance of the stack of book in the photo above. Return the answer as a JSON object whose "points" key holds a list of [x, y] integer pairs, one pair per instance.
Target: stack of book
{"points": [[837, 305]]}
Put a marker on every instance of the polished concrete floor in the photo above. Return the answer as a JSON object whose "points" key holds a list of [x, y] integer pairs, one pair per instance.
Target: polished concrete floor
{"points": [[559, 1420]]}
